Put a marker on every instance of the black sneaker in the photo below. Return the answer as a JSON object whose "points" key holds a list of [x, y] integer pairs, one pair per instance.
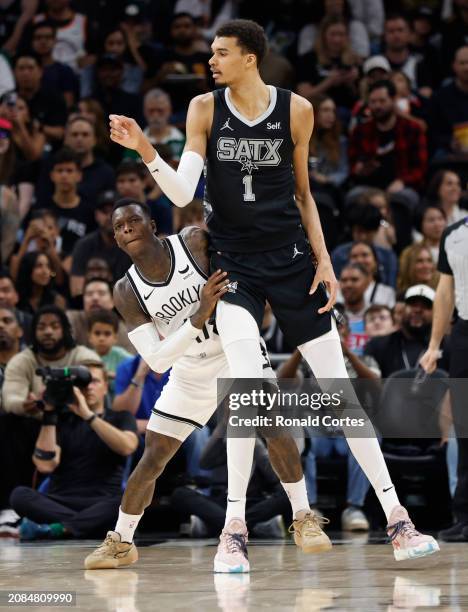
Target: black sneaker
{"points": [[456, 533]]}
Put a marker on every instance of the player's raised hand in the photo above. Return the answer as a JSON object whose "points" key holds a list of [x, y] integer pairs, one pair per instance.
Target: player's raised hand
{"points": [[216, 286], [125, 131], [325, 274]]}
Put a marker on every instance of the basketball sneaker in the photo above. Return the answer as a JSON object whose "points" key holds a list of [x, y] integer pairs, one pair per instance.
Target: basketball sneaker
{"points": [[232, 556], [407, 542], [309, 535], [112, 553]]}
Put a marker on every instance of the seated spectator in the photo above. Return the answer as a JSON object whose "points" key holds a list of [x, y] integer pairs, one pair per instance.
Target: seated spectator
{"points": [[9, 298], [375, 68], [453, 32], [388, 151], [97, 174], [35, 283], [407, 103], [417, 268], [376, 293], [99, 243], [15, 18], [365, 222], [425, 38], [75, 218], [103, 326], [97, 295], [332, 68], [397, 50], [179, 59], [45, 105], [117, 42], [28, 138], [444, 191], [91, 109], [10, 337], [354, 280], [371, 13], [430, 224], [10, 345], [448, 114], [356, 367], [402, 349], [386, 236], [42, 235], [83, 448], [358, 36], [108, 89], [378, 320], [52, 345], [72, 32], [398, 312], [97, 267], [56, 75], [9, 213], [130, 183], [328, 160], [137, 389], [157, 110]]}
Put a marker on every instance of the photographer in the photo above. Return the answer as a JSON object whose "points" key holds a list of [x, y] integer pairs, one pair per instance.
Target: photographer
{"points": [[52, 345], [84, 448]]}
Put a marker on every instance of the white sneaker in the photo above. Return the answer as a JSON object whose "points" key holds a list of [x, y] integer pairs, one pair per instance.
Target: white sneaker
{"points": [[354, 519]]}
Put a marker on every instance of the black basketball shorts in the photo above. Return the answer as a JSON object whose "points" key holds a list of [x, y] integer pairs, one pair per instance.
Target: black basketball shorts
{"points": [[283, 277]]}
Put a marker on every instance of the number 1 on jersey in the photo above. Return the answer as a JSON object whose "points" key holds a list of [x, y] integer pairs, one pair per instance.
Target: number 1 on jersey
{"points": [[249, 195]]}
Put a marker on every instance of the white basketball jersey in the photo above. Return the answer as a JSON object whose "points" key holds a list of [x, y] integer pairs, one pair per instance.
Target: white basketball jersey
{"points": [[171, 302]]}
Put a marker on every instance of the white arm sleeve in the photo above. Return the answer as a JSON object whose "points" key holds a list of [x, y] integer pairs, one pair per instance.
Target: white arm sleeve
{"points": [[178, 186], [160, 355]]}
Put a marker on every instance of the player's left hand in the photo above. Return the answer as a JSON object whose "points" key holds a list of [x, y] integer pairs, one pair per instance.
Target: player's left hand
{"points": [[325, 274]]}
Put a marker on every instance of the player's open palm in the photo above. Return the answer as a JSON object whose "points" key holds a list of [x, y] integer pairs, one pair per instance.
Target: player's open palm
{"points": [[216, 286], [125, 131]]}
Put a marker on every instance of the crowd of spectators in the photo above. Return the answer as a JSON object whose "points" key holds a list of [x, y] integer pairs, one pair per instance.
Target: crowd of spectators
{"points": [[388, 168]]}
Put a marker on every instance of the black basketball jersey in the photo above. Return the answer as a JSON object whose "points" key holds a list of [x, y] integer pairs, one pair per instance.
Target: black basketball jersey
{"points": [[249, 192]]}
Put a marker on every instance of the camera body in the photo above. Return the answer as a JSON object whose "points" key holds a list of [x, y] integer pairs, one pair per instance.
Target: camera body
{"points": [[59, 383]]}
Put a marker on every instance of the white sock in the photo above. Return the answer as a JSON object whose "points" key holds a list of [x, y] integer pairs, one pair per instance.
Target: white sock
{"points": [[240, 459], [126, 525], [325, 357], [297, 493]]}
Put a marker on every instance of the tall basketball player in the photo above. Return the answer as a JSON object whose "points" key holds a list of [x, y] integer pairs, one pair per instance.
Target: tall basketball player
{"points": [[164, 295], [264, 227]]}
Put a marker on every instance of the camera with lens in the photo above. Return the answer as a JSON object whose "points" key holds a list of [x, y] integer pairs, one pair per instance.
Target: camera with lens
{"points": [[59, 383]]}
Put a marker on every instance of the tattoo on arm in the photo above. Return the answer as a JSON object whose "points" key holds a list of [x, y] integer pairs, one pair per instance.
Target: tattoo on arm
{"points": [[128, 306]]}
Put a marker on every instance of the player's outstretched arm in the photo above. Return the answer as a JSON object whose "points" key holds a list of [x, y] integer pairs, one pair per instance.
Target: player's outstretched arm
{"points": [[302, 123], [179, 186]]}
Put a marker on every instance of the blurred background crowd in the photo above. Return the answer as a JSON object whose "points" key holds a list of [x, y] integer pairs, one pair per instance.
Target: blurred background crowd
{"points": [[388, 168]]}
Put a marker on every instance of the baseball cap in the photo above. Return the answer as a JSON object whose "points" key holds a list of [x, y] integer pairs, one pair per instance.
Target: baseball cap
{"points": [[107, 198], [376, 61], [134, 11], [420, 291]]}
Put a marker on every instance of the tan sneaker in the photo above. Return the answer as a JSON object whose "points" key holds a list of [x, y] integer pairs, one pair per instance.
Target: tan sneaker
{"points": [[112, 553], [309, 535]]}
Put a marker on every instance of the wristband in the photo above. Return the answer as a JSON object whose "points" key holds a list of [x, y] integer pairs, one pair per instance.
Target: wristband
{"points": [[91, 419], [44, 455], [49, 417]]}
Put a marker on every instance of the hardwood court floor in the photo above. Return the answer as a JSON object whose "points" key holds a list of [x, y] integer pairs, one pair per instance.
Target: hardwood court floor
{"points": [[176, 575]]}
